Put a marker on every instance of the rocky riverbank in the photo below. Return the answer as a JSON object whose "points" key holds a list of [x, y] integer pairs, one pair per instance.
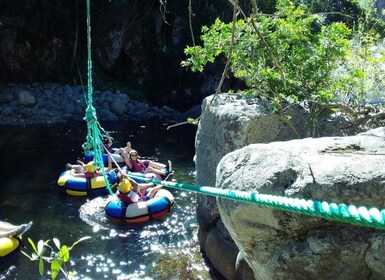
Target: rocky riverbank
{"points": [[53, 103], [242, 145]]}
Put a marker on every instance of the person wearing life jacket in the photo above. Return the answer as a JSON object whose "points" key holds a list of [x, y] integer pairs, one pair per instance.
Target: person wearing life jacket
{"points": [[150, 168], [89, 170], [126, 193], [130, 191], [92, 170], [108, 142]]}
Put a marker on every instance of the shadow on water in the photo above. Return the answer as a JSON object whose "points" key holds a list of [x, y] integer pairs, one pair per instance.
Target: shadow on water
{"points": [[32, 159]]}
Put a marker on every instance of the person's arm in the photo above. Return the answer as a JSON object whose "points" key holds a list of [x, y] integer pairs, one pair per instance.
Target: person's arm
{"points": [[108, 139], [134, 196], [127, 161], [74, 174], [129, 148], [144, 161]]}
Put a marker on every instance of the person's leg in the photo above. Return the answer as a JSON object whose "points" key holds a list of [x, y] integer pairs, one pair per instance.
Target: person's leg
{"points": [[154, 170], [156, 165], [119, 151], [153, 176], [143, 187], [76, 167], [152, 192], [169, 165], [79, 169], [169, 176]]}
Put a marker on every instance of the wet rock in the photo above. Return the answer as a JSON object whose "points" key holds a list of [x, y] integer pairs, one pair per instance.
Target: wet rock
{"points": [[69, 109], [7, 111], [243, 270], [26, 99], [117, 107], [65, 103], [106, 115], [5, 98], [222, 252]]}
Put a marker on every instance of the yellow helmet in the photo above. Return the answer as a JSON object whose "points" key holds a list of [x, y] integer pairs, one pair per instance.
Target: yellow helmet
{"points": [[124, 186], [91, 167]]}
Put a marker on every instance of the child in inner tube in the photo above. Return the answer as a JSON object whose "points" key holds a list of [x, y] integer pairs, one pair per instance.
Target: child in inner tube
{"points": [[125, 150], [130, 191], [152, 169], [108, 142], [89, 170]]}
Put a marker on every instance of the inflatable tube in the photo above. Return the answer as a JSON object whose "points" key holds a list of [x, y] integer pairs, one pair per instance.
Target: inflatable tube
{"points": [[137, 176], [140, 177], [80, 186], [115, 157], [9, 248], [10, 239], [143, 211]]}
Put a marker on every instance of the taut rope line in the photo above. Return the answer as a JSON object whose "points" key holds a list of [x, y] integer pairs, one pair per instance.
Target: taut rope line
{"points": [[361, 216]]}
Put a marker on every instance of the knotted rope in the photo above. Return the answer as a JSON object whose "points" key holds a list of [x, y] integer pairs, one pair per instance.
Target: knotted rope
{"points": [[94, 138]]}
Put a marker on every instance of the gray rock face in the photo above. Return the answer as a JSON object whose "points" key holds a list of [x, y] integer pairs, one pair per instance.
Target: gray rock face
{"points": [[284, 245], [230, 122], [222, 252]]}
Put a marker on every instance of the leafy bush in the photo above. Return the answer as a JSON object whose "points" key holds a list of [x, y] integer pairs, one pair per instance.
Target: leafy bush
{"points": [[57, 259], [294, 56]]}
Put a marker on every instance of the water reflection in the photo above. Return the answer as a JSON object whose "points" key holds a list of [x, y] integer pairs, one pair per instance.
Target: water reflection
{"points": [[146, 246], [156, 250]]}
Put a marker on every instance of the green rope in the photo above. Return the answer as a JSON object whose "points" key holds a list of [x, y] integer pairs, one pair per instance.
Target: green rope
{"points": [[350, 214], [361, 216], [94, 138]]}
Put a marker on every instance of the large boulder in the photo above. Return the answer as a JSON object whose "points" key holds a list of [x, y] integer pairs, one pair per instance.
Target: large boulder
{"points": [[230, 122], [284, 245]]}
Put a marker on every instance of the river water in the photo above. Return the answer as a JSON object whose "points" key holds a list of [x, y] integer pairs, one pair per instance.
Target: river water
{"points": [[32, 157]]}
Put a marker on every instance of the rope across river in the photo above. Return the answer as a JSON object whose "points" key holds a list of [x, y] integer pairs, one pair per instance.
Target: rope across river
{"points": [[362, 216]]}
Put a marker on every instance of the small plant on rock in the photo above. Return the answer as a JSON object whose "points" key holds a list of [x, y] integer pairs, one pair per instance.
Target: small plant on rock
{"points": [[57, 259]]}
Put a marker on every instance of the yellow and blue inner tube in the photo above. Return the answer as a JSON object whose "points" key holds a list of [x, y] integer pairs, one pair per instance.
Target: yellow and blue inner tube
{"points": [[9, 247], [81, 186]]}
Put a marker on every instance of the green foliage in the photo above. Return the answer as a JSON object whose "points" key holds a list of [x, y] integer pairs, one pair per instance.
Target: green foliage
{"points": [[57, 259], [193, 121], [295, 56], [303, 52]]}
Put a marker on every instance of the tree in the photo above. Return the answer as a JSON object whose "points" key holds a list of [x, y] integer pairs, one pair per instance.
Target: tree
{"points": [[297, 57]]}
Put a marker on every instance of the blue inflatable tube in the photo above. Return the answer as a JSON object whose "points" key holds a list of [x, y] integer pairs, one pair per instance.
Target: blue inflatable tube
{"points": [[143, 211], [81, 186]]}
